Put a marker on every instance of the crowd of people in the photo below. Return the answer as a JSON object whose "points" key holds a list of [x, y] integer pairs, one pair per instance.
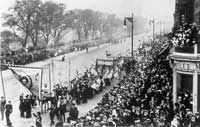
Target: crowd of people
{"points": [[22, 57], [85, 86], [26, 104], [185, 35], [143, 98], [27, 55]]}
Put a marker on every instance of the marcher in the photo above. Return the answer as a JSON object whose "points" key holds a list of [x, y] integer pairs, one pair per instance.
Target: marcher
{"points": [[63, 110], [28, 108], [8, 111], [52, 114], [84, 95], [2, 107], [38, 121], [78, 95], [22, 107], [73, 113]]}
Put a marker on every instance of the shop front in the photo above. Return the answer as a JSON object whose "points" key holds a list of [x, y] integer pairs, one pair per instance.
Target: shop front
{"points": [[186, 77]]}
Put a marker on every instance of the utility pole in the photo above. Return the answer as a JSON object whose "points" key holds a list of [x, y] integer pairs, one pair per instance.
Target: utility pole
{"points": [[130, 19], [69, 71], [153, 23], [160, 24], [52, 63], [3, 87], [50, 79], [132, 37]]}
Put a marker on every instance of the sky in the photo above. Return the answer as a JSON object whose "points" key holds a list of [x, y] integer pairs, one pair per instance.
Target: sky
{"points": [[158, 9]]}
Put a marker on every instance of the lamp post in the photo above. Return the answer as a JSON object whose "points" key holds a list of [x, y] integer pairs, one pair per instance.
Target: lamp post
{"points": [[160, 23], [153, 22], [130, 19]]}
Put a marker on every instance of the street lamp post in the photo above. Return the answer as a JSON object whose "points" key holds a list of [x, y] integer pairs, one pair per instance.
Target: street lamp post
{"points": [[160, 24], [153, 22], [130, 19]]}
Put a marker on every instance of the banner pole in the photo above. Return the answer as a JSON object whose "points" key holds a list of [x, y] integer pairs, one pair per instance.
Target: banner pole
{"points": [[50, 79], [69, 71], [4, 94], [41, 83], [53, 70]]}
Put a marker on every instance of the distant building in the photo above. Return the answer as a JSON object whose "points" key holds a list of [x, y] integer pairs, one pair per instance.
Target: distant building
{"points": [[197, 12], [184, 12]]}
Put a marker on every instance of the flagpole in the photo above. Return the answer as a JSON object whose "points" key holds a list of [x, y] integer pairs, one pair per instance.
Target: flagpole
{"points": [[50, 79], [53, 70], [41, 84], [69, 70], [4, 94]]}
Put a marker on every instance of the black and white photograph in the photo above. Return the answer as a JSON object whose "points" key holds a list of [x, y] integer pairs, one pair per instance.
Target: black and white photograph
{"points": [[100, 63]]}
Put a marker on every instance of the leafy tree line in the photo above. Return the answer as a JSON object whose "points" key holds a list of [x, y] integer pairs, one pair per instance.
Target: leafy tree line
{"points": [[33, 20]]}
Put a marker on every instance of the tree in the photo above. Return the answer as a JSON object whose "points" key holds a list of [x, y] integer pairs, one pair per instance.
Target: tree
{"points": [[7, 38], [96, 23], [20, 19], [36, 22], [87, 19], [52, 21], [77, 22], [110, 25]]}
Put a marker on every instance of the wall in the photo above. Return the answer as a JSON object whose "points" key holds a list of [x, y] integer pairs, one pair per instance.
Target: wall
{"points": [[197, 12], [183, 8]]}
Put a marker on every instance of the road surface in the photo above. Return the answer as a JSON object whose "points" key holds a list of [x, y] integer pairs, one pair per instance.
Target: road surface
{"points": [[79, 60]]}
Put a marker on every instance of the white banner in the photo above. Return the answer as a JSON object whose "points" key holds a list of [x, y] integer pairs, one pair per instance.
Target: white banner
{"points": [[31, 78]]}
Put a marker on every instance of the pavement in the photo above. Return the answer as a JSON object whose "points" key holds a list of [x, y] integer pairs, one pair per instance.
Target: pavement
{"points": [[79, 61]]}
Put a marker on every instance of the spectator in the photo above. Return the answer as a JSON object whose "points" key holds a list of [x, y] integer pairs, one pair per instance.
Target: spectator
{"points": [[8, 111], [73, 113], [38, 121], [2, 106]]}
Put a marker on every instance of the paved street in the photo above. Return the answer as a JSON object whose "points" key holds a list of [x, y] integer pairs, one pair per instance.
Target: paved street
{"points": [[79, 60]]}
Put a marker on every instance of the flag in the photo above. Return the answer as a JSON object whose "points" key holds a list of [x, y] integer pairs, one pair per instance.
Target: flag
{"points": [[30, 78]]}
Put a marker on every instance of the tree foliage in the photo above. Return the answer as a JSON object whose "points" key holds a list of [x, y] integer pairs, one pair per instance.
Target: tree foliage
{"points": [[31, 20]]}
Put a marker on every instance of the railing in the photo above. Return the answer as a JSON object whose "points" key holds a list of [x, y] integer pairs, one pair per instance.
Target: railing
{"points": [[185, 49], [188, 49]]}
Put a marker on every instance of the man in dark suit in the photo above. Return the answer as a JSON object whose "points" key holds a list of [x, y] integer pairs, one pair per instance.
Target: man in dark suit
{"points": [[8, 111], [73, 113], [52, 114], [62, 109], [2, 106]]}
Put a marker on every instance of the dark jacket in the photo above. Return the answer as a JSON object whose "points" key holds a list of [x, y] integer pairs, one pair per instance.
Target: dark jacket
{"points": [[73, 113]]}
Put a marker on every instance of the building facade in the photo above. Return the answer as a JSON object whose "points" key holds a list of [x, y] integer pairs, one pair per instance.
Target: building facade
{"points": [[186, 75], [184, 12], [197, 12], [186, 60]]}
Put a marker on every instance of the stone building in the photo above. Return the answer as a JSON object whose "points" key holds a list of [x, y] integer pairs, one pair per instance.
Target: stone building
{"points": [[186, 73], [186, 59], [184, 12], [197, 12]]}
